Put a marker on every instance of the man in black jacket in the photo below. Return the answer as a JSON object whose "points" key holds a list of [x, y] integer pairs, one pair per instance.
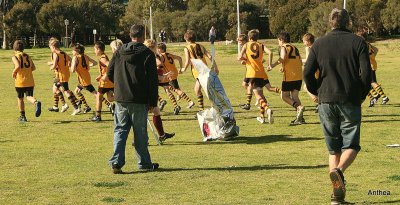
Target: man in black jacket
{"points": [[343, 84], [133, 72]]}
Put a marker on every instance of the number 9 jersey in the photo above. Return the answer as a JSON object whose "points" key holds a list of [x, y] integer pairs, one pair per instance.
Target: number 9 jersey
{"points": [[254, 63]]}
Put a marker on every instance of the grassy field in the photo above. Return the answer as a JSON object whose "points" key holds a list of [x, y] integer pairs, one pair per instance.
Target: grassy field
{"points": [[62, 159]]}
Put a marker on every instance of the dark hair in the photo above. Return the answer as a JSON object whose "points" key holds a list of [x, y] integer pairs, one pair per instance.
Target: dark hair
{"points": [[309, 37], [79, 48], [18, 45], [162, 46], [361, 32], [190, 35], [242, 37], [339, 18], [100, 45], [284, 36], [137, 31], [254, 34]]}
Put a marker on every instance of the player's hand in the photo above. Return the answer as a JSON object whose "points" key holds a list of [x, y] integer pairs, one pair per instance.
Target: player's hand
{"points": [[98, 78], [14, 75], [282, 70], [269, 68], [181, 70], [104, 78], [243, 62]]}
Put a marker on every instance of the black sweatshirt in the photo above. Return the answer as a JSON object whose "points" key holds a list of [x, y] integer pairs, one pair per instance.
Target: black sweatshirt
{"points": [[133, 71], [345, 69]]}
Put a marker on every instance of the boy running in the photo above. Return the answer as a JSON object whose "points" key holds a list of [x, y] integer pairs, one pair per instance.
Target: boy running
{"points": [[308, 41], [105, 86], [252, 52], [292, 75], [24, 82]]}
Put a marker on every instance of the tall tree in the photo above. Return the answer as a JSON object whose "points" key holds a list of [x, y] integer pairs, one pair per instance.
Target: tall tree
{"points": [[20, 19], [391, 16]]}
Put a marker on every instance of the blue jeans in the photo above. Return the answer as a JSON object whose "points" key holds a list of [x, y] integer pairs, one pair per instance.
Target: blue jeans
{"points": [[341, 126], [127, 116]]}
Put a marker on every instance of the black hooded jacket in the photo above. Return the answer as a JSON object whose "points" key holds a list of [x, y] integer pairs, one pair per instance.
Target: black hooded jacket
{"points": [[133, 71]]}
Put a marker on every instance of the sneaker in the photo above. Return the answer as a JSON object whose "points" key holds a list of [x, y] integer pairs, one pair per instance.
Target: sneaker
{"points": [[337, 179], [336, 200], [166, 136], [76, 111], [153, 167], [269, 116], [177, 109], [162, 104], [245, 106], [38, 108], [64, 107], [53, 109], [298, 121], [116, 169], [96, 119], [22, 119], [191, 104], [261, 120], [178, 97], [385, 100], [87, 109], [373, 101]]}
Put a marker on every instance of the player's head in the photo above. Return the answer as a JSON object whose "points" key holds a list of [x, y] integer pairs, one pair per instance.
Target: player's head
{"points": [[18, 45], [78, 49], [242, 39], [137, 32], [54, 44], [339, 18], [190, 36], [308, 39], [115, 44], [254, 34], [99, 47], [283, 37], [162, 47], [362, 33], [151, 44]]}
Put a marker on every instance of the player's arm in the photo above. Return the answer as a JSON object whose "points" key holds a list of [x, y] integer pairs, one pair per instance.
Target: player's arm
{"points": [[282, 56], [187, 61], [74, 63], [270, 55], [242, 53], [179, 59], [53, 64], [33, 65], [215, 67], [92, 62], [17, 67], [375, 49]]}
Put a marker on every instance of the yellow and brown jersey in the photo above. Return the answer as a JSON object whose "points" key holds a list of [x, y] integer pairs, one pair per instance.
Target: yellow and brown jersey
{"points": [[161, 69], [169, 65], [196, 51], [254, 63], [292, 64], [372, 56], [82, 69], [103, 71], [62, 67], [24, 76]]}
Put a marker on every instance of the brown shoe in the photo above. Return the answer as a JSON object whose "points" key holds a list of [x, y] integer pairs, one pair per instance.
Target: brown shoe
{"points": [[337, 179]]}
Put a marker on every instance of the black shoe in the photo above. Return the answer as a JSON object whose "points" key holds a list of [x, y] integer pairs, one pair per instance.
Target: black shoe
{"points": [[22, 119], [245, 106], [87, 109], [53, 109], [38, 108], [112, 109], [177, 109], [166, 136], [337, 179], [155, 166], [116, 169], [96, 119], [162, 104]]}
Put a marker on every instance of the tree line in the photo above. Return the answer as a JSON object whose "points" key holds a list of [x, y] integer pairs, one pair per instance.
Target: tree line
{"points": [[114, 17]]}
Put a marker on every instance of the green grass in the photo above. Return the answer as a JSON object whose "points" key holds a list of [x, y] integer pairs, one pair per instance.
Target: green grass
{"points": [[62, 159]]}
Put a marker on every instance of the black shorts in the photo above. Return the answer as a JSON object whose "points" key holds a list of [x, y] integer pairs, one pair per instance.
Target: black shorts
{"points": [[163, 84], [291, 85], [28, 91], [374, 77], [89, 88], [64, 85], [105, 90], [258, 82], [174, 84]]}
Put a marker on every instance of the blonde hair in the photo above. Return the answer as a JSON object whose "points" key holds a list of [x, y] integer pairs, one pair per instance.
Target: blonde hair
{"points": [[115, 44], [151, 44]]}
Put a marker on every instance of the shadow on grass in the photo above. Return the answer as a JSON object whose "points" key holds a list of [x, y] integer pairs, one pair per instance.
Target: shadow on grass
{"points": [[6, 141], [384, 202], [375, 121], [72, 121], [250, 140], [234, 168]]}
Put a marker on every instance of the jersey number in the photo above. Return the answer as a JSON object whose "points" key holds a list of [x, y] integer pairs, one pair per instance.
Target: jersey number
{"points": [[255, 49], [197, 53], [296, 52], [27, 63]]}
